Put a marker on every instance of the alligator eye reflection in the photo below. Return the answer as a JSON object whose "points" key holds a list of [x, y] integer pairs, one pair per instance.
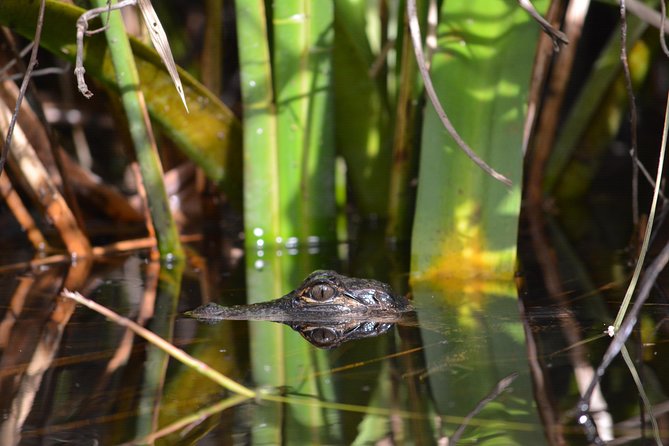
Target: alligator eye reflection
{"points": [[322, 336], [322, 292]]}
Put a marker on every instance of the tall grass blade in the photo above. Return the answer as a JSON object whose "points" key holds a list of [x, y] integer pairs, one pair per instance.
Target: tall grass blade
{"points": [[649, 226]]}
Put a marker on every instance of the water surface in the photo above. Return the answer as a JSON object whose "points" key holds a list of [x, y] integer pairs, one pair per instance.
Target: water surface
{"points": [[479, 365]]}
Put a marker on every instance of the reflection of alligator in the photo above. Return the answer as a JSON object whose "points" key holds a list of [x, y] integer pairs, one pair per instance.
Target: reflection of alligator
{"points": [[327, 309]]}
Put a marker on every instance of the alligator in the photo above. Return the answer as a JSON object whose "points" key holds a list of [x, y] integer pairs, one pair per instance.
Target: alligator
{"points": [[327, 309]]}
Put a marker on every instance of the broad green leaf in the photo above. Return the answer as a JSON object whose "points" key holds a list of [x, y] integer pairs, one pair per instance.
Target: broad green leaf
{"points": [[466, 222]]}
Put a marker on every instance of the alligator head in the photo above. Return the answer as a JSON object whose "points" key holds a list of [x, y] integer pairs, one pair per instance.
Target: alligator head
{"points": [[327, 309]]}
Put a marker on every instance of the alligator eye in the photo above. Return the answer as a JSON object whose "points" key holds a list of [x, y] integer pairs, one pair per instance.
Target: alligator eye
{"points": [[322, 292]]}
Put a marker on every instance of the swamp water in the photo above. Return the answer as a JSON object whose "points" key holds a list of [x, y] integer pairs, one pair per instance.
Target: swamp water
{"points": [[478, 366]]}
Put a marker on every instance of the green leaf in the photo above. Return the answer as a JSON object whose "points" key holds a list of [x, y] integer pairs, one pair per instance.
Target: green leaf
{"points": [[466, 222]]}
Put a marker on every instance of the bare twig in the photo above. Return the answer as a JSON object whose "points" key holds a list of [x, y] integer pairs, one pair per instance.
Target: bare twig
{"points": [[156, 32], [82, 29], [646, 14], [38, 73], [663, 19], [24, 85], [557, 36], [123, 246], [16, 59], [414, 29]]}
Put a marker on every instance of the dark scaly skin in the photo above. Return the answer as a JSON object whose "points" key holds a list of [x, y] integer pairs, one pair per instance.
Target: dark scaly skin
{"points": [[327, 309]]}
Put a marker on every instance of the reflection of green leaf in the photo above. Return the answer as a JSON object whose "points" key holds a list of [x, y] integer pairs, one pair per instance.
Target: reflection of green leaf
{"points": [[209, 135], [465, 224], [483, 347]]}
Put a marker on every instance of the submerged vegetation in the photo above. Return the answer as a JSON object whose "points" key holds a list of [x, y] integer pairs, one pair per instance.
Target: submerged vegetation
{"points": [[297, 125]]}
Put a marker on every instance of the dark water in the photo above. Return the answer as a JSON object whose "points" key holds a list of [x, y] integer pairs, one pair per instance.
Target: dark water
{"points": [[480, 365]]}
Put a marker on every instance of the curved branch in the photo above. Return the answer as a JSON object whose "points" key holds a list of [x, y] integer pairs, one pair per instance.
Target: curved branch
{"points": [[414, 29]]}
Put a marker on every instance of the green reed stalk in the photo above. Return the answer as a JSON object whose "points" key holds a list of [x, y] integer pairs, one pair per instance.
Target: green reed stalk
{"points": [[141, 133], [303, 32], [261, 203], [302, 54], [288, 186], [261, 164], [167, 291]]}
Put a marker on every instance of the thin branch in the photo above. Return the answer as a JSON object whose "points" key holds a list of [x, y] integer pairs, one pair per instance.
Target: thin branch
{"points": [[646, 14], [156, 32], [414, 28], [557, 36], [24, 85], [82, 29], [38, 73], [16, 59]]}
